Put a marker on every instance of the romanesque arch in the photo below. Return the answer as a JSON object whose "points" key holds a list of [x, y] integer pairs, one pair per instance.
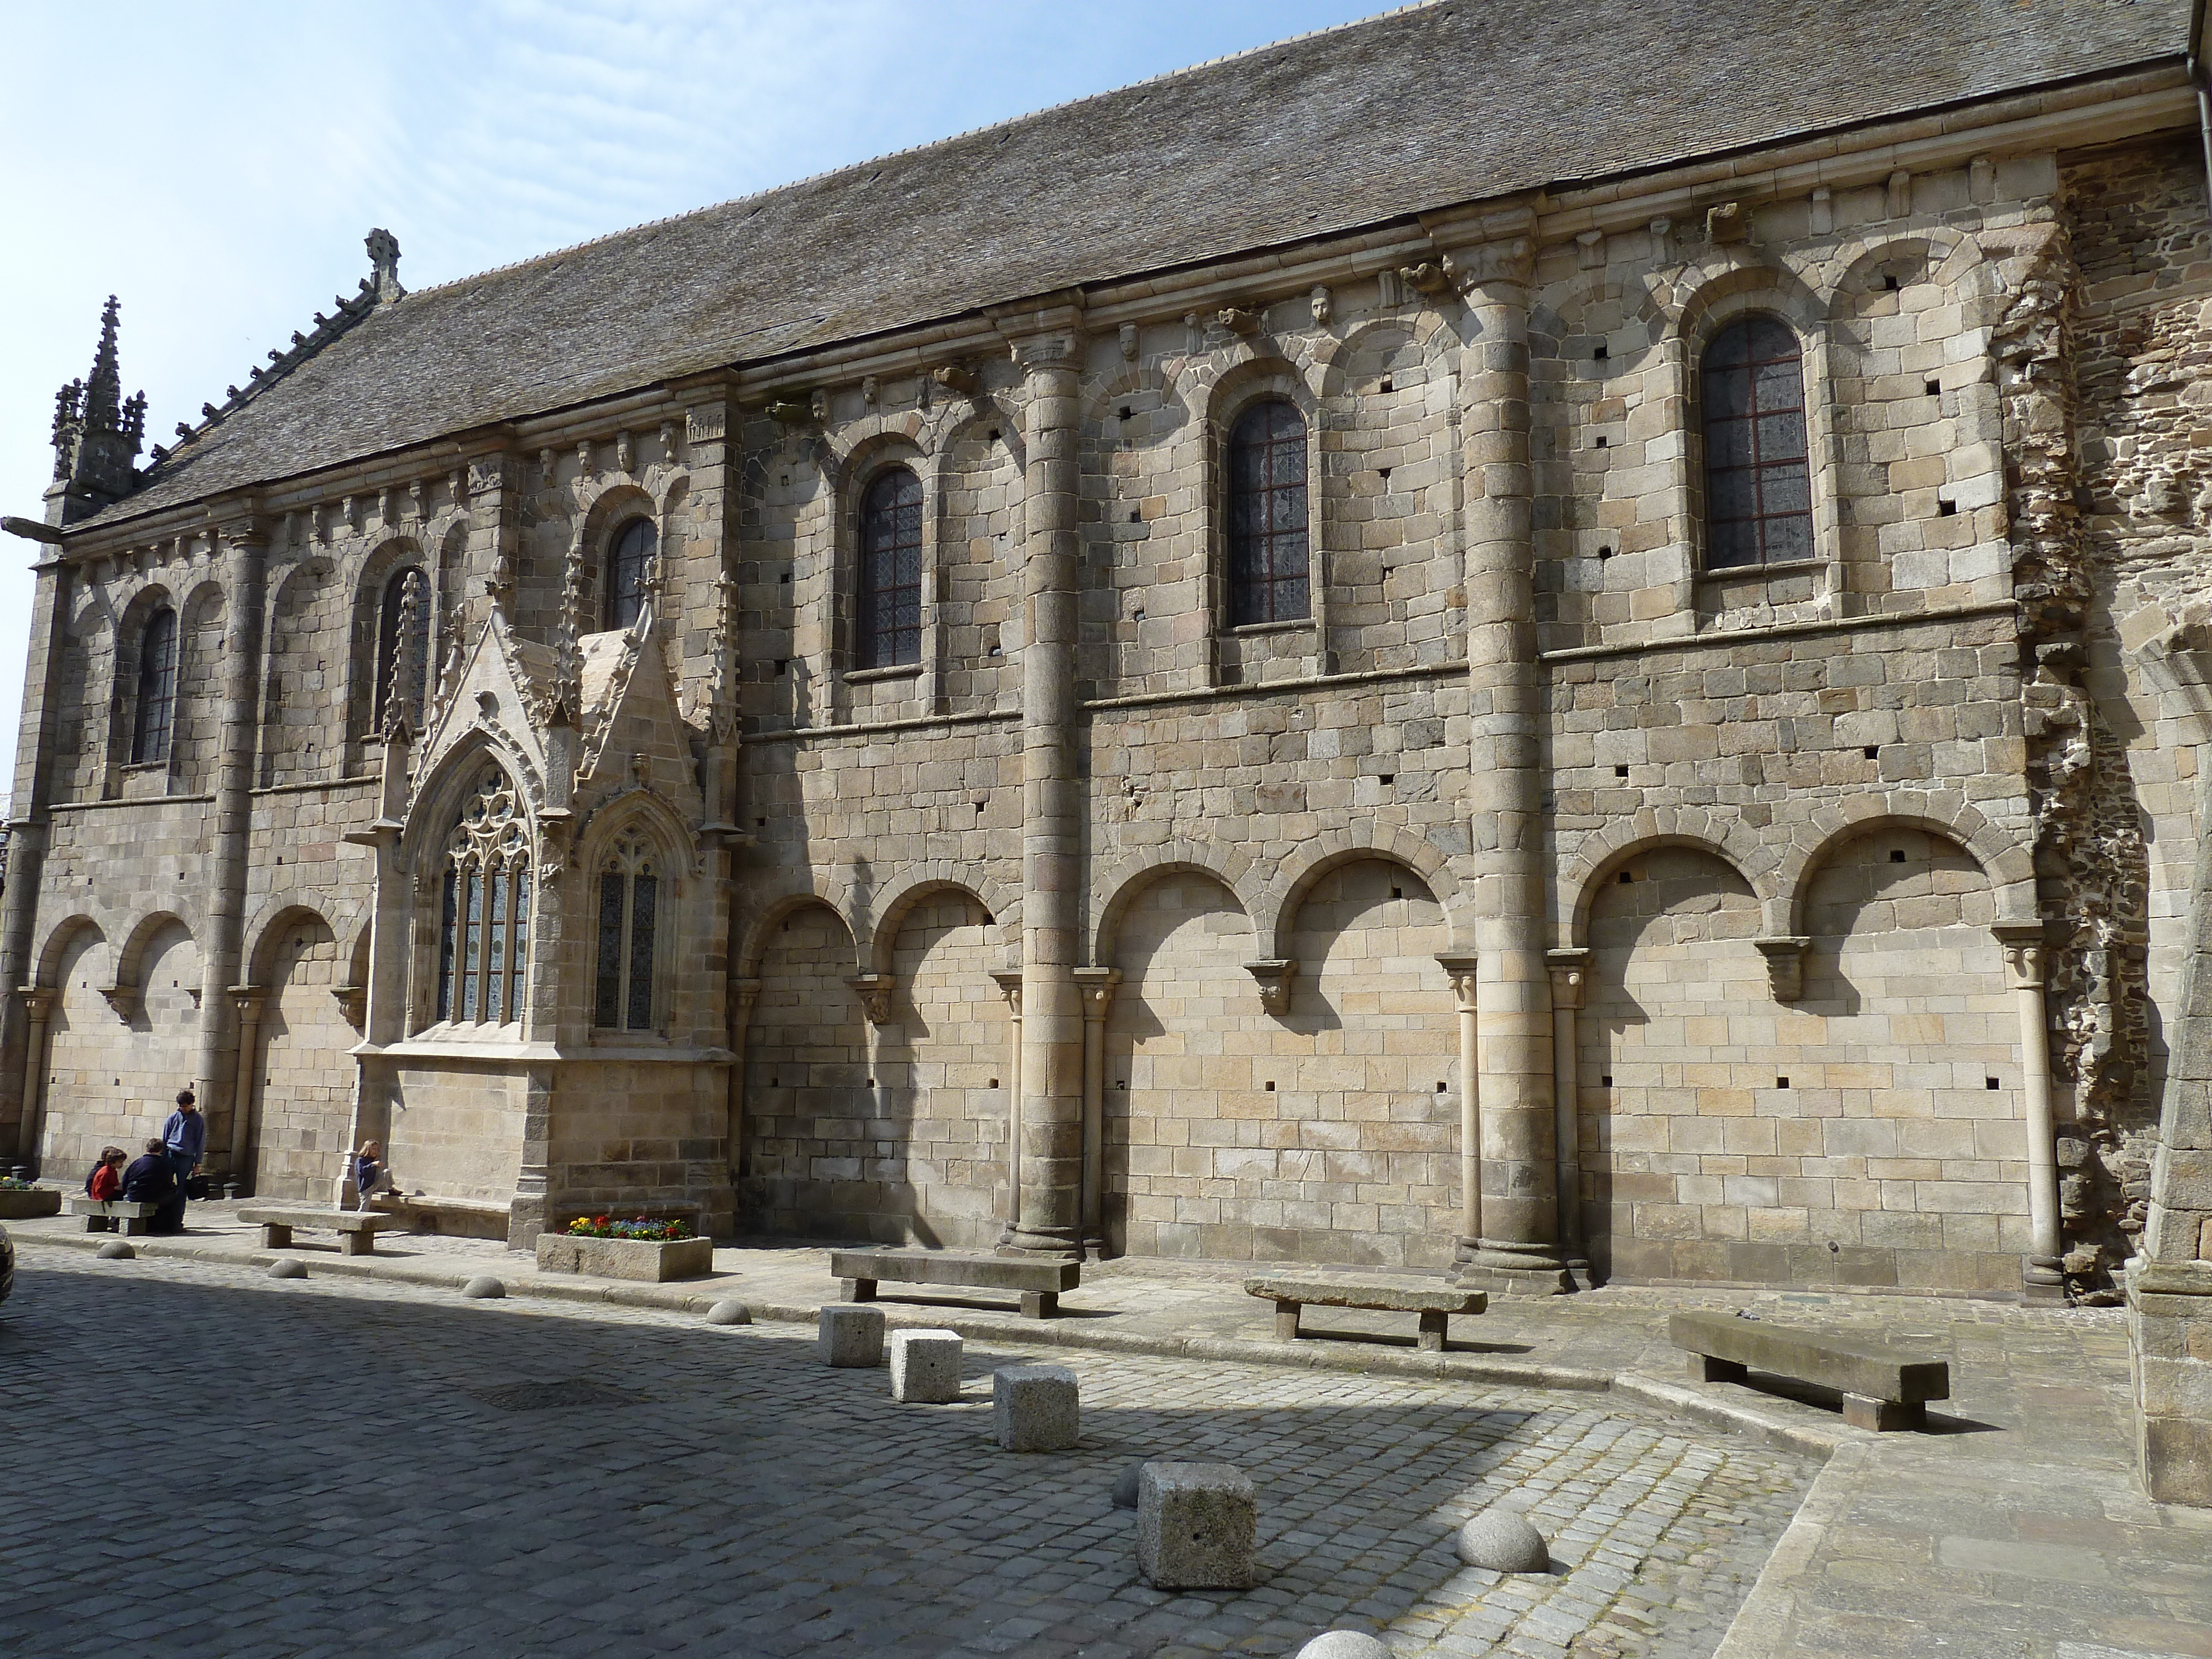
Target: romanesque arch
{"points": [[1366, 839], [1117, 884], [302, 1087], [1598, 859], [2003, 859]]}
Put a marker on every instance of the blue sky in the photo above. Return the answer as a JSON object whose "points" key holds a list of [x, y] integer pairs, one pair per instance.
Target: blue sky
{"points": [[217, 167]]}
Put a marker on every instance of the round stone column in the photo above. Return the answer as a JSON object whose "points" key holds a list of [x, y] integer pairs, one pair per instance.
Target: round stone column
{"points": [[1517, 1250], [1048, 1215]]}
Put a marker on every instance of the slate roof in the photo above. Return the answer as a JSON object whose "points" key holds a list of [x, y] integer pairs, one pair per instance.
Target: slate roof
{"points": [[1437, 104]]}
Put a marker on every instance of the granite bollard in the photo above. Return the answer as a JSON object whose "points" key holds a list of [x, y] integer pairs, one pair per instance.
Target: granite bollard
{"points": [[926, 1367], [850, 1336], [1198, 1527], [1036, 1408]]}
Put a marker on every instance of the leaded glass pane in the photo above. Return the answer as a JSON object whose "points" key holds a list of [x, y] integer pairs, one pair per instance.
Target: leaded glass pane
{"points": [[634, 549], [608, 1001], [448, 907], [472, 927], [1757, 484], [643, 891], [1267, 515], [518, 976], [495, 950], [891, 571]]}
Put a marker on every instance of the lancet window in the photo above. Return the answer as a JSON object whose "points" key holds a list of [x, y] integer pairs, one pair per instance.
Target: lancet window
{"points": [[1759, 491], [483, 940], [891, 571], [155, 715], [628, 558], [1268, 564], [630, 916]]}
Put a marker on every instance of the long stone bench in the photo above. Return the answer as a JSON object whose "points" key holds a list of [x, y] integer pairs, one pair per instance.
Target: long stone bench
{"points": [[110, 1215], [1041, 1283], [1436, 1303], [1883, 1388], [356, 1229]]}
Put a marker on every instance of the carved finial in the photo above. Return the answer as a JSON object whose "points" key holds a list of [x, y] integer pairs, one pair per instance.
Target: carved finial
{"points": [[96, 431], [400, 694], [384, 256]]}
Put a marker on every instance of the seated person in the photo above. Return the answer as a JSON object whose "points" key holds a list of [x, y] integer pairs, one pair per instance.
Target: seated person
{"points": [[106, 1181], [370, 1172], [150, 1180]]}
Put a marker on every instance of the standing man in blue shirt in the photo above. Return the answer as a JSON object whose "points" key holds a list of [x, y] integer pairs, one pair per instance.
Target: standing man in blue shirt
{"points": [[185, 1138]]}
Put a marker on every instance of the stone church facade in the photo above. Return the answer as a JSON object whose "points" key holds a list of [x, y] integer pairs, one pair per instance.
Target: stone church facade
{"points": [[1264, 667]]}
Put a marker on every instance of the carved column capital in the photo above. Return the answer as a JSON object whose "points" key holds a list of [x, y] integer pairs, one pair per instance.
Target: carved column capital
{"points": [[1010, 985], [247, 999], [1785, 964], [1506, 263], [352, 1002], [1462, 972], [1273, 978], [38, 1001], [1098, 985], [743, 992], [124, 999], [1569, 971], [2024, 953], [874, 991]]}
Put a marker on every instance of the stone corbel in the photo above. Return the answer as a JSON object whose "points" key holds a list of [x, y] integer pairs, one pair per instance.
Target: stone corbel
{"points": [[1009, 981], [1785, 964], [874, 991], [1726, 222], [1427, 277], [39, 1001], [1274, 979], [1098, 985], [2024, 954], [124, 999], [353, 1003], [1241, 320], [956, 378], [789, 411]]}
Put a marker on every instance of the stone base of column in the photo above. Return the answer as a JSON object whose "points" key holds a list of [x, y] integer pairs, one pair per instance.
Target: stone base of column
{"points": [[1094, 1247], [2170, 1330], [1507, 1268], [2043, 1279], [1057, 1243], [1578, 1271]]}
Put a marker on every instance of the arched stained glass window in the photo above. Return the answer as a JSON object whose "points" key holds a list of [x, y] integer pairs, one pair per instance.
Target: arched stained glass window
{"points": [[630, 915], [1759, 492], [392, 615], [632, 550], [1268, 564], [484, 938], [154, 717], [891, 571]]}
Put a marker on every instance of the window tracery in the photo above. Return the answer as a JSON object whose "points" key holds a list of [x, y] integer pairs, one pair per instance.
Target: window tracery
{"points": [[629, 906], [392, 615], [483, 940]]}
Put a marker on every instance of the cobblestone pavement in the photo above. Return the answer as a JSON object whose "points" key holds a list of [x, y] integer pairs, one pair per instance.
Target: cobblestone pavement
{"points": [[205, 1461]]}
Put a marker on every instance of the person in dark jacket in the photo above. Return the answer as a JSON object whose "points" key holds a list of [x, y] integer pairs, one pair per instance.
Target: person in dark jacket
{"points": [[150, 1180], [184, 1137]]}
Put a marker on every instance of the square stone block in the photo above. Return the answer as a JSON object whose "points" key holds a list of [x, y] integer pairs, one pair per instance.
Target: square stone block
{"points": [[850, 1335], [1198, 1527], [925, 1366], [1034, 1408]]}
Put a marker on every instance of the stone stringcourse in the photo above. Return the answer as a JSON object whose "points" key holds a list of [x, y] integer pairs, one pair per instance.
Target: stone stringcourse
{"points": [[924, 1366], [653, 1260], [356, 1229], [1882, 1386], [1034, 1408], [1040, 1283], [1434, 1303], [849, 1336], [1197, 1527], [25, 1204]]}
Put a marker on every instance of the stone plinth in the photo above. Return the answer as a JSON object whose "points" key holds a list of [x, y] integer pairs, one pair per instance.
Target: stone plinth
{"points": [[2170, 1332], [850, 1336], [925, 1366], [654, 1261], [1034, 1408]]}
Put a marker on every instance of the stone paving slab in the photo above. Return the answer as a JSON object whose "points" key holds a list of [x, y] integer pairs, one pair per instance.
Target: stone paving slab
{"points": [[350, 1464], [1909, 1543]]}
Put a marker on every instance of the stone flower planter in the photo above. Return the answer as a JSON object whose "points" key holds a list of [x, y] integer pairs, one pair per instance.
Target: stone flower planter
{"points": [[26, 1206], [626, 1258]]}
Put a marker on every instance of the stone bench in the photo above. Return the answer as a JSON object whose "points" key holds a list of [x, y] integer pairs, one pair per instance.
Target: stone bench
{"points": [[1040, 1282], [101, 1215], [1883, 1388], [356, 1229], [1435, 1303]]}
